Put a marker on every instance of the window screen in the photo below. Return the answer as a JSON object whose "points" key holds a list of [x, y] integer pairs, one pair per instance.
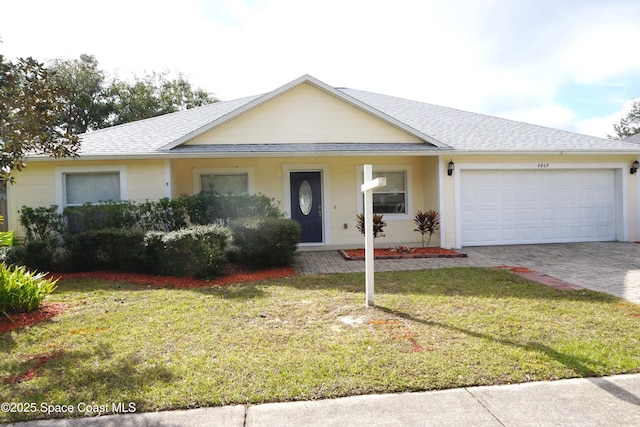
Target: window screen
{"points": [[225, 183], [91, 187]]}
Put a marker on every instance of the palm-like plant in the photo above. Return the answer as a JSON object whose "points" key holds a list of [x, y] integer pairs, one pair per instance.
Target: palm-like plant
{"points": [[378, 225], [427, 222]]}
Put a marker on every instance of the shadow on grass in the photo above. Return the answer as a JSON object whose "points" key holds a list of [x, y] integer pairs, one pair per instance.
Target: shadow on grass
{"points": [[239, 292], [96, 285], [454, 281], [95, 376], [577, 364]]}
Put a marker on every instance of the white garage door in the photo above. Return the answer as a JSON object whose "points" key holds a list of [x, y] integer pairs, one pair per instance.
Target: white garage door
{"points": [[537, 206]]}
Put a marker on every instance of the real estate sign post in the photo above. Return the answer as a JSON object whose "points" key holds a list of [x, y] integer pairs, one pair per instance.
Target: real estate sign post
{"points": [[367, 188]]}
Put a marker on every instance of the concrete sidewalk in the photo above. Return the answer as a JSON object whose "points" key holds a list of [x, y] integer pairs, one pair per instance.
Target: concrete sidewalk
{"points": [[607, 401]]}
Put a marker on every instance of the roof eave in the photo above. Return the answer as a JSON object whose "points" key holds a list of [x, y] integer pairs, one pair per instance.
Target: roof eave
{"points": [[555, 152]]}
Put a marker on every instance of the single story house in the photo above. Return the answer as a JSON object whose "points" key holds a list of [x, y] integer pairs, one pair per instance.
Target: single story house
{"points": [[494, 181]]}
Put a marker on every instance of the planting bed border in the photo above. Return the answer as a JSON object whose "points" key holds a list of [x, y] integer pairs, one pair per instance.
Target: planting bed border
{"points": [[438, 253]]}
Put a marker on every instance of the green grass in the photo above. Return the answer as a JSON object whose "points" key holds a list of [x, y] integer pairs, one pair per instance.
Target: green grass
{"points": [[312, 337]]}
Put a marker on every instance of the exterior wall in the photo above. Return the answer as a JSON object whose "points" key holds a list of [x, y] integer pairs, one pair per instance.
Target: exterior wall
{"points": [[628, 199], [36, 185], [431, 179], [341, 190], [304, 114], [430, 187]]}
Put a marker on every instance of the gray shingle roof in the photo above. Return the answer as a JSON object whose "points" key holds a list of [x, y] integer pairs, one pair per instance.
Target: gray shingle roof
{"points": [[149, 135], [472, 132], [450, 128], [635, 139]]}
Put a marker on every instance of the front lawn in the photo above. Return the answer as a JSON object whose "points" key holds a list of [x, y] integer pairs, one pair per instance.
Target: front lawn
{"points": [[308, 337]]}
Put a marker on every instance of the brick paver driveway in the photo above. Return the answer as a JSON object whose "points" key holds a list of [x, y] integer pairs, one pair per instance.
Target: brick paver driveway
{"points": [[611, 267]]}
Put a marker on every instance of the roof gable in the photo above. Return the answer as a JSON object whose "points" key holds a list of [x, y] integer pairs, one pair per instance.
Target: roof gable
{"points": [[305, 114], [305, 102]]}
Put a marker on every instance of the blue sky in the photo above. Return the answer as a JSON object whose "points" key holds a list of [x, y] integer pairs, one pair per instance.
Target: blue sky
{"points": [[567, 64]]}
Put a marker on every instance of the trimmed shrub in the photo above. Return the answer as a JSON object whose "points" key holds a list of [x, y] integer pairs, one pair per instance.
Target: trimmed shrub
{"points": [[114, 248], [40, 255], [266, 242], [198, 251], [42, 223], [21, 290], [107, 214], [163, 215], [212, 208], [110, 234]]}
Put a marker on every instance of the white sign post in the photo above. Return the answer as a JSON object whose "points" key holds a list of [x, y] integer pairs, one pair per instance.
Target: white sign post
{"points": [[367, 188]]}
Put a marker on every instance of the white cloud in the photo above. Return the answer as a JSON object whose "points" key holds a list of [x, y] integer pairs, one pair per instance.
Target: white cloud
{"points": [[603, 126]]}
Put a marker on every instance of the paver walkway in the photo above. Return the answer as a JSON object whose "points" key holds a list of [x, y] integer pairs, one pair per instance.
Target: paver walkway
{"points": [[611, 267]]}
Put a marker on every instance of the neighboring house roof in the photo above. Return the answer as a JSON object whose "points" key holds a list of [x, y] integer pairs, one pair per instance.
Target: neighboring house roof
{"points": [[440, 128], [635, 139]]}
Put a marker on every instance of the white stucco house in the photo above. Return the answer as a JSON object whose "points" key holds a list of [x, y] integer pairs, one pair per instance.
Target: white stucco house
{"points": [[494, 181]]}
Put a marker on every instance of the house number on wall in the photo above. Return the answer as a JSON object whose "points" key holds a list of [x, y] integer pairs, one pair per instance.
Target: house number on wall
{"points": [[543, 165]]}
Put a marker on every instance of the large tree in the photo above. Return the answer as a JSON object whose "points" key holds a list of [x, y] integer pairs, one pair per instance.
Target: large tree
{"points": [[94, 101], [153, 95], [86, 102], [629, 124], [30, 115]]}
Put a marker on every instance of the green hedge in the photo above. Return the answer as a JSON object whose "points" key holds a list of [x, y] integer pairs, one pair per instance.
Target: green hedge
{"points": [[198, 251], [40, 255], [266, 242], [162, 215], [111, 235], [111, 249], [213, 208], [42, 223]]}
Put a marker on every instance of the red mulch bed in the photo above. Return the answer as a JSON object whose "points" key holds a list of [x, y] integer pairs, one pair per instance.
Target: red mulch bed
{"points": [[391, 253], [39, 359], [18, 320], [234, 274]]}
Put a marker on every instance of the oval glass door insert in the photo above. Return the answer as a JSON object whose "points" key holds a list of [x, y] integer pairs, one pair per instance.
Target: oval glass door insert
{"points": [[306, 197]]}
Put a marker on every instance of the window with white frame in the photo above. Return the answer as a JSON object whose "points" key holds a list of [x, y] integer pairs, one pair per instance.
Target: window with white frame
{"points": [[394, 198], [92, 187], [225, 183]]}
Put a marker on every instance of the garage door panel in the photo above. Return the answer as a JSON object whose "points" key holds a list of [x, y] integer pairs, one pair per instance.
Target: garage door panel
{"points": [[537, 206]]}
